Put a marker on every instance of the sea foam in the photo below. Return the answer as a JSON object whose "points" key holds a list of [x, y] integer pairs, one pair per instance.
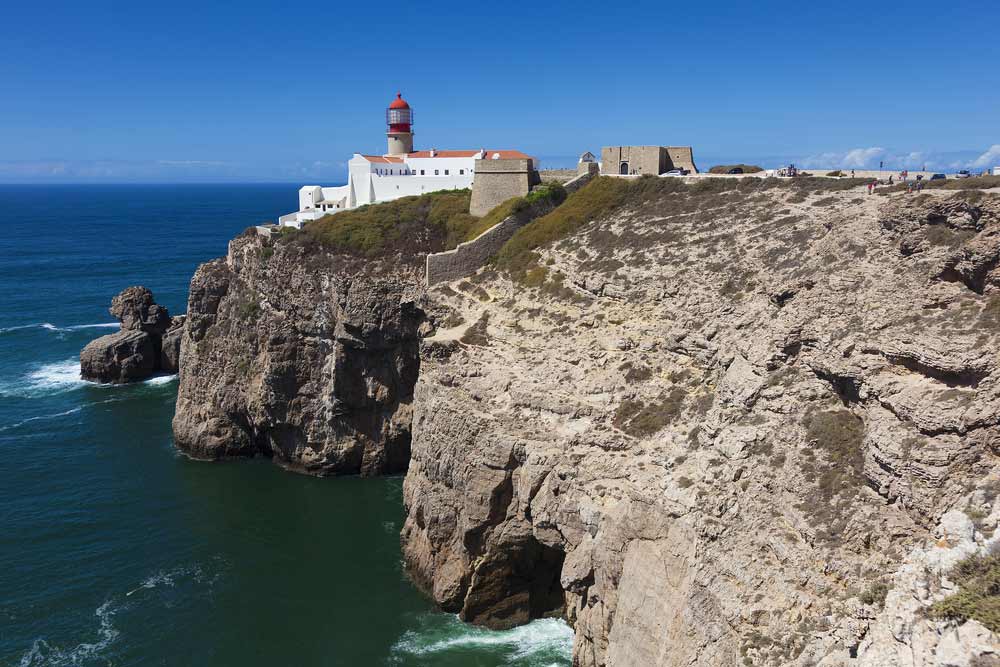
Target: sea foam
{"points": [[52, 327], [42, 654], [546, 641], [52, 378]]}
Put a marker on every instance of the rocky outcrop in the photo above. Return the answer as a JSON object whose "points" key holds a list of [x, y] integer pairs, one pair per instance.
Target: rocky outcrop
{"points": [[300, 355], [719, 428], [146, 344], [731, 423]]}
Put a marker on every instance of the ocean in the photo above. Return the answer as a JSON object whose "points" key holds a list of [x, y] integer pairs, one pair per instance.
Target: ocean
{"points": [[115, 549]]}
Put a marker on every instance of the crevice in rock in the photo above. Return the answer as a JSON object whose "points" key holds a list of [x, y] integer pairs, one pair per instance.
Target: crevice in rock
{"points": [[975, 279], [514, 584], [967, 377], [847, 388]]}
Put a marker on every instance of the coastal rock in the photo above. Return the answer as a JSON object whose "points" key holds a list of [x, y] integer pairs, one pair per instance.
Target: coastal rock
{"points": [[135, 308], [729, 495], [302, 356], [723, 420], [137, 351], [121, 357], [170, 345]]}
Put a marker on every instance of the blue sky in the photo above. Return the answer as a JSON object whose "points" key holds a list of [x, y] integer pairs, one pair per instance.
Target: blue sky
{"points": [[111, 92]]}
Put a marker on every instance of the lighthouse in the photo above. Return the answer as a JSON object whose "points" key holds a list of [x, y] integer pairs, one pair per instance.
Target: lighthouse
{"points": [[399, 127]]}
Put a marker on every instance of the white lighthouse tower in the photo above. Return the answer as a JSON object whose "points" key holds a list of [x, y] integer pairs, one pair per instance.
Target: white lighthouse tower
{"points": [[399, 124]]}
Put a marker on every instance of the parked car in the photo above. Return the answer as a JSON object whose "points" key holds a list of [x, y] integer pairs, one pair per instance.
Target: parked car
{"points": [[735, 170], [675, 172], [938, 177], [964, 173]]}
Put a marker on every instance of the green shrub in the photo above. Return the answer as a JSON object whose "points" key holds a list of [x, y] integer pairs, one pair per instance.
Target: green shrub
{"points": [[725, 168], [476, 334], [839, 435], [640, 420], [974, 183], [535, 277], [836, 174], [978, 597], [597, 198], [875, 593], [409, 225], [249, 310]]}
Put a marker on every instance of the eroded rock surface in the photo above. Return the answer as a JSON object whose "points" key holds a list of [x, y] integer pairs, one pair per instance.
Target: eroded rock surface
{"points": [[301, 356], [717, 427], [136, 351]]}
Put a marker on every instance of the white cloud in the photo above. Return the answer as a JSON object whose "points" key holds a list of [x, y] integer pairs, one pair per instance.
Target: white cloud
{"points": [[855, 158], [862, 157], [990, 158]]}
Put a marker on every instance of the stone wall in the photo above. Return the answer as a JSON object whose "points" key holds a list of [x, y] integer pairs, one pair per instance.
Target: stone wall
{"points": [[641, 160], [469, 256], [497, 181], [681, 157]]}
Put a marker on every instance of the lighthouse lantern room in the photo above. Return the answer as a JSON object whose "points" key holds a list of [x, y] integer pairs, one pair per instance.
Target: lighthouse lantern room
{"points": [[399, 124]]}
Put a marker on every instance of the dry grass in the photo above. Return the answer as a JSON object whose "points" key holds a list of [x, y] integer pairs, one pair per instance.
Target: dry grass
{"points": [[978, 597]]}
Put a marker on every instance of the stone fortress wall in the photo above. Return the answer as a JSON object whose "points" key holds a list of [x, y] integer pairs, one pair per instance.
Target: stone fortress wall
{"points": [[641, 160], [468, 257], [496, 181]]}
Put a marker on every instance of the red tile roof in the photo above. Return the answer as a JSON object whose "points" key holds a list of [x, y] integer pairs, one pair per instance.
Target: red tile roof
{"points": [[504, 155]]}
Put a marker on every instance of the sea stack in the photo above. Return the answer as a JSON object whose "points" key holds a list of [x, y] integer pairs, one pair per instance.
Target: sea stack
{"points": [[149, 341]]}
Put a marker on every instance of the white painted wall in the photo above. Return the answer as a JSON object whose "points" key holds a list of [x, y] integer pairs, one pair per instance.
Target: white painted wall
{"points": [[309, 195], [370, 182]]}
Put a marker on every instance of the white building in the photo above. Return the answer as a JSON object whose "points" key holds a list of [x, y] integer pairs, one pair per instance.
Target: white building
{"points": [[401, 172]]}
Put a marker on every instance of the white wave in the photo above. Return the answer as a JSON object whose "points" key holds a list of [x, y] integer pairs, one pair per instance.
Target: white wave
{"points": [[100, 325], [21, 327], [52, 327], [40, 418], [547, 639], [160, 379], [159, 579], [170, 578], [42, 654], [58, 376]]}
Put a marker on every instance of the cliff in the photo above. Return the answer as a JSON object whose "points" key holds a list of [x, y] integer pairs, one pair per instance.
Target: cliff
{"points": [[736, 422], [753, 426], [300, 354]]}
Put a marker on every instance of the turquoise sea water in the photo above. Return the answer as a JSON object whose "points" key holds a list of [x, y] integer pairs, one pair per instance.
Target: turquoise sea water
{"points": [[115, 550]]}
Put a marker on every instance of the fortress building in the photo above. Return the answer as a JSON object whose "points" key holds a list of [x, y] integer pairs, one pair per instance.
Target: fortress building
{"points": [[402, 172], [638, 160]]}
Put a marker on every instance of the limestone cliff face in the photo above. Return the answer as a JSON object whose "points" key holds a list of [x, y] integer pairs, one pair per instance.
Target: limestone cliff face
{"points": [[302, 356], [720, 427]]}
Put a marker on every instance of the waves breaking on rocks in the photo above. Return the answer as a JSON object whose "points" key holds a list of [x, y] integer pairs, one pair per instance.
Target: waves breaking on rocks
{"points": [[540, 643]]}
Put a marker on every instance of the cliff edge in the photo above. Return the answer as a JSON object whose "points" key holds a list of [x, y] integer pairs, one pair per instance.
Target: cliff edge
{"points": [[300, 354], [738, 421], [720, 424]]}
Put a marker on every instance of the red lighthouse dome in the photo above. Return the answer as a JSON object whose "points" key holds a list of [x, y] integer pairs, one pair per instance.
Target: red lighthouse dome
{"points": [[399, 116]]}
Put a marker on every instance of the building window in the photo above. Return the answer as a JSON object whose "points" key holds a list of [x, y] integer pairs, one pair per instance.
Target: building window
{"points": [[435, 172], [461, 172], [445, 172], [421, 172]]}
